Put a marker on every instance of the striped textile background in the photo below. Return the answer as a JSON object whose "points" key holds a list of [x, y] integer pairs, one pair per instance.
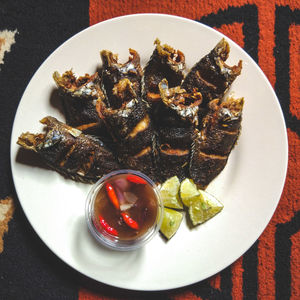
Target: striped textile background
{"points": [[268, 30]]}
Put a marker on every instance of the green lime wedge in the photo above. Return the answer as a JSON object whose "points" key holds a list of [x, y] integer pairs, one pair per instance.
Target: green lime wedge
{"points": [[203, 208], [171, 222], [188, 191], [169, 193]]}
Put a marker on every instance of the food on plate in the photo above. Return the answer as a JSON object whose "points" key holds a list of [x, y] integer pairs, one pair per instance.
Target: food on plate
{"points": [[157, 120], [212, 144], [203, 208], [70, 152], [113, 71], [165, 63], [171, 222], [169, 193], [79, 98], [175, 119], [211, 76], [129, 124]]}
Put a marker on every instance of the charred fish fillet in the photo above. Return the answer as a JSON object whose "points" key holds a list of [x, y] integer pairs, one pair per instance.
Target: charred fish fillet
{"points": [[113, 72], [129, 123], [80, 97], [176, 117], [211, 76], [70, 152], [165, 62], [213, 144]]}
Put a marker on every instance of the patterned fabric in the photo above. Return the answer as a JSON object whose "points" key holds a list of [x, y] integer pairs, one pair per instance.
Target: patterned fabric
{"points": [[268, 30]]}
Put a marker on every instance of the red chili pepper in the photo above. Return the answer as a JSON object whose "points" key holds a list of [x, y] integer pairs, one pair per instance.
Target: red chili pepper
{"points": [[129, 221], [107, 227], [136, 179], [112, 195]]}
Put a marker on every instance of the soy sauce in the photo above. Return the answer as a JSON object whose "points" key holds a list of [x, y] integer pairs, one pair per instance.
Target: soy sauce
{"points": [[136, 200]]}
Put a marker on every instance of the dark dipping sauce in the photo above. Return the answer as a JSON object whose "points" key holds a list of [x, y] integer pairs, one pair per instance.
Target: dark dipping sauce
{"points": [[137, 200]]}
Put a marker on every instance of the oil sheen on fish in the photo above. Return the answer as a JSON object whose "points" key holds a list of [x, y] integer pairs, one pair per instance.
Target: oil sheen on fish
{"points": [[70, 152], [165, 62], [214, 142], [211, 76], [175, 120], [80, 97], [129, 123], [113, 72]]}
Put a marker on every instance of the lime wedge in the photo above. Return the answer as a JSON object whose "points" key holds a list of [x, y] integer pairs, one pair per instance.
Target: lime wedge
{"points": [[171, 222], [169, 193], [203, 208], [188, 191]]}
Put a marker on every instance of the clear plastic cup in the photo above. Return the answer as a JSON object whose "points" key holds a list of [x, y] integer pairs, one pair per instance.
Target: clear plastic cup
{"points": [[113, 241]]}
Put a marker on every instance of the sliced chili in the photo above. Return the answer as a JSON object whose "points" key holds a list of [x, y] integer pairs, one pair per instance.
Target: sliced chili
{"points": [[136, 179], [112, 195], [129, 221], [107, 227]]}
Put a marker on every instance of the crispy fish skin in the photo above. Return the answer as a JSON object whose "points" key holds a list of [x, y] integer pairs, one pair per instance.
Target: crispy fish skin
{"points": [[80, 97], [172, 162], [129, 123], [213, 144], [165, 62], [211, 76], [70, 152], [177, 116], [113, 71]]}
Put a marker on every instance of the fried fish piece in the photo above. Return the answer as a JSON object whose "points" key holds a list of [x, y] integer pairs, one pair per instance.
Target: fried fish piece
{"points": [[214, 142], [79, 97], [129, 123], [176, 118], [113, 72], [211, 76], [165, 62], [70, 152]]}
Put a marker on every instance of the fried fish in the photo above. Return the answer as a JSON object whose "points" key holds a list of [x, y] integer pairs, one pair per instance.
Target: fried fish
{"points": [[165, 62], [79, 98], [113, 71], [213, 143], [176, 118], [211, 76], [129, 123], [70, 152]]}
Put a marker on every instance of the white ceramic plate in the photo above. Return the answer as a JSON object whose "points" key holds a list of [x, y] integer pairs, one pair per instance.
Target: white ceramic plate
{"points": [[249, 187]]}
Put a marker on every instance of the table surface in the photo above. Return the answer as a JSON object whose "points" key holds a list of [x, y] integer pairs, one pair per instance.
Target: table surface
{"points": [[268, 31]]}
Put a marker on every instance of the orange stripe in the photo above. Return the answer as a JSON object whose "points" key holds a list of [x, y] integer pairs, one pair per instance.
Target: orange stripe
{"points": [[266, 44], [266, 263], [237, 279], [215, 282], [266, 245], [294, 33]]}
